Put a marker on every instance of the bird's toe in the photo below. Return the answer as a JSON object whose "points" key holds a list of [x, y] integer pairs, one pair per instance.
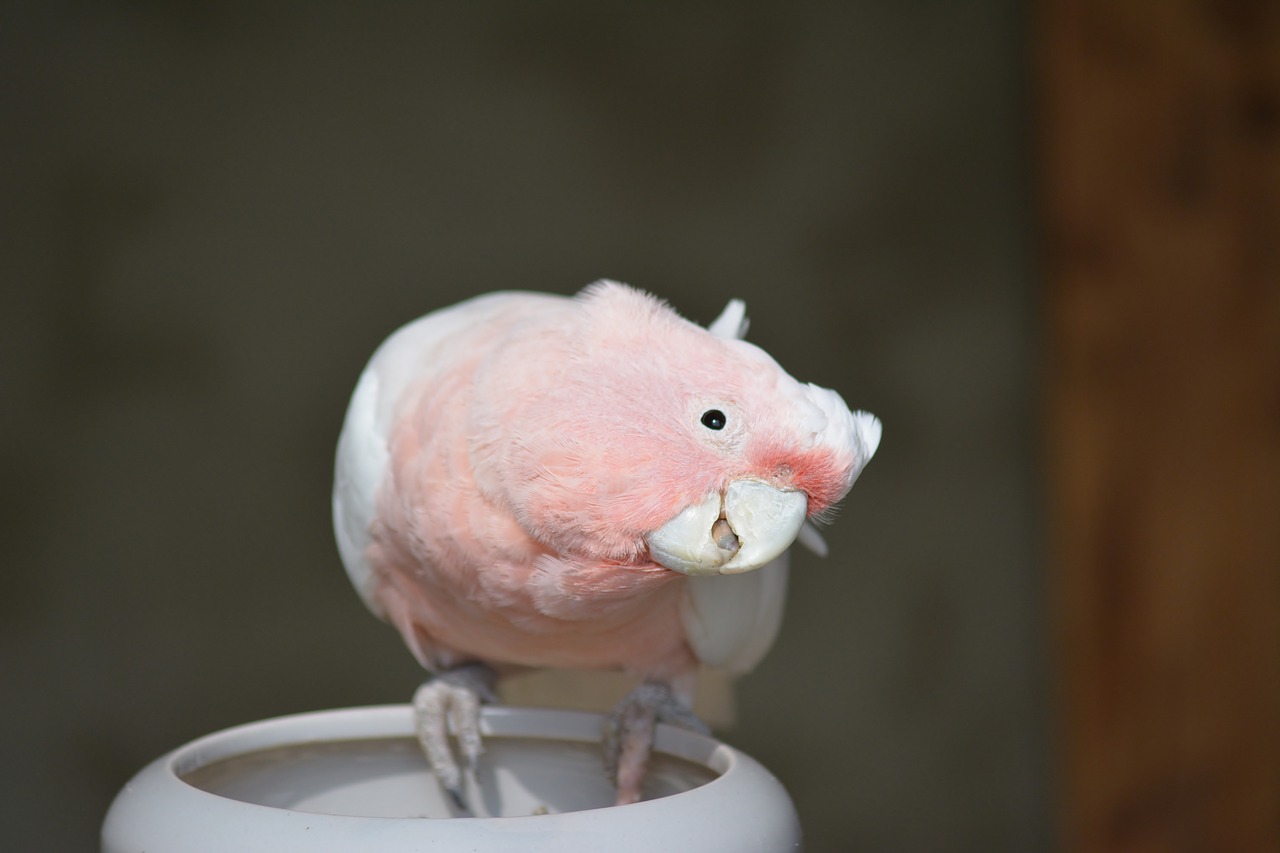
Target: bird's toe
{"points": [[629, 732], [450, 704]]}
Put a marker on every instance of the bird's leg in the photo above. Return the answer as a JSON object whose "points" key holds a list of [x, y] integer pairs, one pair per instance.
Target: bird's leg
{"points": [[629, 730], [450, 701]]}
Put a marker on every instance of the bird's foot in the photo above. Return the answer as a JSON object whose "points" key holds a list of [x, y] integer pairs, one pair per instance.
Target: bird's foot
{"points": [[629, 730], [450, 702]]}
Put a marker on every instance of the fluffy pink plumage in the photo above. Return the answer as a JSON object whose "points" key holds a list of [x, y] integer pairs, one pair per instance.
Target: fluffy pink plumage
{"points": [[513, 471], [535, 443]]}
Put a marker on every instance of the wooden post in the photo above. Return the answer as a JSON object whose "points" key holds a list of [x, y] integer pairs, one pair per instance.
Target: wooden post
{"points": [[1159, 144]]}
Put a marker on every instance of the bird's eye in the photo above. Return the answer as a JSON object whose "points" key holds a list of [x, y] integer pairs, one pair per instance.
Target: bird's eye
{"points": [[713, 419]]}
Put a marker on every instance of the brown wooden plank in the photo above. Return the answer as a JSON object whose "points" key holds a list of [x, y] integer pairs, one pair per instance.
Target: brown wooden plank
{"points": [[1159, 143]]}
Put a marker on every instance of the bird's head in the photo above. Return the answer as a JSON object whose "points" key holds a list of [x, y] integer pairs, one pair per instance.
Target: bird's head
{"points": [[634, 435]]}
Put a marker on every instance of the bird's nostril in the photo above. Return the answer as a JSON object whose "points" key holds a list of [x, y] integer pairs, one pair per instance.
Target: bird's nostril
{"points": [[723, 535]]}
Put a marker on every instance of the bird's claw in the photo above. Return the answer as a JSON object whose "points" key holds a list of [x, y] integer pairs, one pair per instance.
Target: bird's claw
{"points": [[450, 702], [629, 731]]}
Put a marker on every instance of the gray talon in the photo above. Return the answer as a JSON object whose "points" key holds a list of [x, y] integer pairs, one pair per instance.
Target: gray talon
{"points": [[629, 731], [450, 703]]}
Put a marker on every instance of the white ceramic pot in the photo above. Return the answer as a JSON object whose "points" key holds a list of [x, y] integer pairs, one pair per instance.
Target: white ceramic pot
{"points": [[354, 780]]}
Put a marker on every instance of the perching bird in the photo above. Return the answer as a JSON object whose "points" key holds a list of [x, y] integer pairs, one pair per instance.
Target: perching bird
{"points": [[526, 480]]}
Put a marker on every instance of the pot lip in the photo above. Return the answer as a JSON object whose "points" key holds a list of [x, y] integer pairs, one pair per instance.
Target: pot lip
{"points": [[382, 722], [745, 807]]}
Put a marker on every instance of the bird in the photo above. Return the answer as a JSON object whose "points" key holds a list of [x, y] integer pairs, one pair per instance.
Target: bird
{"points": [[590, 482]]}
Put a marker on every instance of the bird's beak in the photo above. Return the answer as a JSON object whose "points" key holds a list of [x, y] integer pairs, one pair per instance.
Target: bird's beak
{"points": [[741, 529]]}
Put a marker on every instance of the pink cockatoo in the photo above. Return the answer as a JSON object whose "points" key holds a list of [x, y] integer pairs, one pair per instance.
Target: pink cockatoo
{"points": [[591, 482]]}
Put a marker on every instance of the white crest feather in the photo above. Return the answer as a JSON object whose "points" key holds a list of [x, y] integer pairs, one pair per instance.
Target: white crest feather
{"points": [[732, 322]]}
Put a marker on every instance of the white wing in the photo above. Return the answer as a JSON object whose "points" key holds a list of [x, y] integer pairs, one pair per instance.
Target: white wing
{"points": [[732, 620], [358, 470]]}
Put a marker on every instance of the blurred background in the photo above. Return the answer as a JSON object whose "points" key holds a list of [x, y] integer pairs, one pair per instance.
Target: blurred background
{"points": [[213, 212]]}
